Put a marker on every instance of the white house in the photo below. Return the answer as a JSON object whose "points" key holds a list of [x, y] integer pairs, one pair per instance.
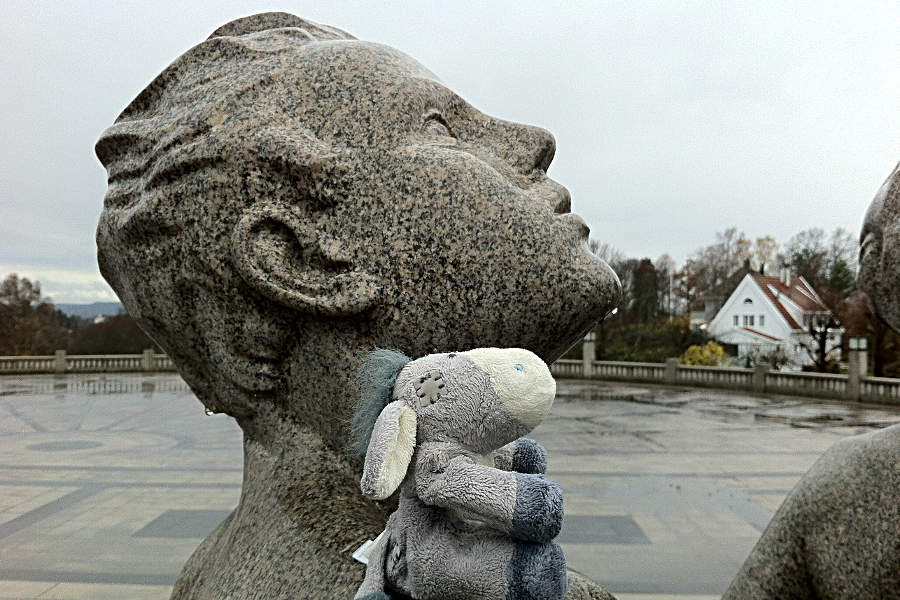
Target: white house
{"points": [[768, 314]]}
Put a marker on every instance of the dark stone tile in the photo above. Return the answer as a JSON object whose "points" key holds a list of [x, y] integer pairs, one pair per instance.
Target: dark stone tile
{"points": [[618, 529], [183, 524]]}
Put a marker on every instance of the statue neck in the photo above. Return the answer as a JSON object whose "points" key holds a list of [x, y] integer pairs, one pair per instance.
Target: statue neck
{"points": [[304, 490]]}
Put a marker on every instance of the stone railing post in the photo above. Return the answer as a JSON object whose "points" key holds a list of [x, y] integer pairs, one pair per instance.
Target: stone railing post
{"points": [[671, 373], [588, 352], [857, 363], [59, 361], [147, 360], [759, 377]]}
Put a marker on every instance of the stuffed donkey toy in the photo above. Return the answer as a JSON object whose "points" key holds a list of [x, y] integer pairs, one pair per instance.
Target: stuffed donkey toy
{"points": [[476, 517]]}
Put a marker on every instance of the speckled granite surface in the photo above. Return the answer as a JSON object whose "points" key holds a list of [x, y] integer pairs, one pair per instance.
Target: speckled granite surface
{"points": [[283, 199], [837, 535], [879, 257]]}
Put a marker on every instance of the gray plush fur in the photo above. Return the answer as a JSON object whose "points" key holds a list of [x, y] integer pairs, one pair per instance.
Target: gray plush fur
{"points": [[464, 530], [537, 571], [376, 377]]}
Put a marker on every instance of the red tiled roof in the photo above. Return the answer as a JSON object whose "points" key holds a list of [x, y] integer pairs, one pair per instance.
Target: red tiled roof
{"points": [[806, 301], [766, 284], [798, 292], [761, 334]]}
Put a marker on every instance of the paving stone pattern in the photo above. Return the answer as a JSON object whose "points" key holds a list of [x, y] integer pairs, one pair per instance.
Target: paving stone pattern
{"points": [[107, 484]]}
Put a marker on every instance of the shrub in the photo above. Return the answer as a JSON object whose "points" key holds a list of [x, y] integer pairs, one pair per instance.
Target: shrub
{"points": [[710, 355]]}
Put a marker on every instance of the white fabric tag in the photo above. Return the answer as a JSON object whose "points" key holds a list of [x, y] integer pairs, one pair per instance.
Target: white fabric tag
{"points": [[485, 459], [362, 553]]}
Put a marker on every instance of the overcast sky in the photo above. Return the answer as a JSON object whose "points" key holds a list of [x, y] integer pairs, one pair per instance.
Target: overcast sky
{"points": [[673, 120]]}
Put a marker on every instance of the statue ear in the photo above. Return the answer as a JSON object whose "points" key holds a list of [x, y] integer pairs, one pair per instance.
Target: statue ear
{"points": [[280, 252], [390, 450]]}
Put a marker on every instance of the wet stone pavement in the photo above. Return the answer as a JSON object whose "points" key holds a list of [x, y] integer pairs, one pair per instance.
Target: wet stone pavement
{"points": [[108, 483]]}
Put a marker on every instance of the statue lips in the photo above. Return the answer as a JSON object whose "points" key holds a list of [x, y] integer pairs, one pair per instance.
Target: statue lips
{"points": [[562, 214], [579, 228], [564, 204]]}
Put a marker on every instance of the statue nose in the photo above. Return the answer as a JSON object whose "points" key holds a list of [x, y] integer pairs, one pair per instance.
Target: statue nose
{"points": [[544, 150], [525, 147], [536, 151]]}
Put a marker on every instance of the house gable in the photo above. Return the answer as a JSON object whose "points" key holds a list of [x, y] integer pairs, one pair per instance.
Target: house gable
{"points": [[748, 314]]}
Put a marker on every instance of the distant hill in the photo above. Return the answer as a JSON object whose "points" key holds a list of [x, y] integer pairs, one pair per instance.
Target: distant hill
{"points": [[89, 311]]}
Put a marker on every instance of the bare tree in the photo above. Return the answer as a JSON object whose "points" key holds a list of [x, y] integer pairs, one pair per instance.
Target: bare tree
{"points": [[827, 262], [665, 283], [28, 324], [807, 255], [607, 252], [765, 253], [821, 346], [711, 265]]}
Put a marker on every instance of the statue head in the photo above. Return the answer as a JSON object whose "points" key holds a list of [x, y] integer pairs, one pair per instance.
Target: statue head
{"points": [[283, 198], [879, 252]]}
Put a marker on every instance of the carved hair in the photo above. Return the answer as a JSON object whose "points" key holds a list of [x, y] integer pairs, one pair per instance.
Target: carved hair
{"points": [[151, 141], [157, 155]]}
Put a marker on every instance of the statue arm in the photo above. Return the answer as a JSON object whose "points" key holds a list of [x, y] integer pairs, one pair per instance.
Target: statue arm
{"points": [[527, 507]]}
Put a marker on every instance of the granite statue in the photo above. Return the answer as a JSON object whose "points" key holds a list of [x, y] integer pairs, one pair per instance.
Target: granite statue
{"points": [[837, 534], [879, 252], [476, 517], [284, 198]]}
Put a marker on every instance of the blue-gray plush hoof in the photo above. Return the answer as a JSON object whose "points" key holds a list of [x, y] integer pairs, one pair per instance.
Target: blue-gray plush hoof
{"points": [[537, 572], [538, 514], [529, 457]]}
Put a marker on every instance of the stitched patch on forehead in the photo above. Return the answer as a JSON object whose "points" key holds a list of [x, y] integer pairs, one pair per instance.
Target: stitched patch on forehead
{"points": [[429, 388]]}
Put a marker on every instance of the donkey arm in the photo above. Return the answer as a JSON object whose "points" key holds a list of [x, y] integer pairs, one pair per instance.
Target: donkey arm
{"points": [[525, 506]]}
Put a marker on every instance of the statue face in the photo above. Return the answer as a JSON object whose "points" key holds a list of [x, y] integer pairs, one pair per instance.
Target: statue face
{"points": [[317, 199], [879, 254], [449, 210]]}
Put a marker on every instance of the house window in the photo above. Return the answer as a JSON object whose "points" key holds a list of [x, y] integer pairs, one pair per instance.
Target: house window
{"points": [[751, 320], [748, 300], [735, 320], [746, 320], [762, 320]]}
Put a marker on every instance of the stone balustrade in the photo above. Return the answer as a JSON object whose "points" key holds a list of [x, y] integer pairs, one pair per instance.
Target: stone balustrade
{"points": [[883, 390], [61, 362]]}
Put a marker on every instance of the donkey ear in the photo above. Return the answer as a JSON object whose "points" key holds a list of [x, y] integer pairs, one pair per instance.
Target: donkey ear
{"points": [[390, 450]]}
